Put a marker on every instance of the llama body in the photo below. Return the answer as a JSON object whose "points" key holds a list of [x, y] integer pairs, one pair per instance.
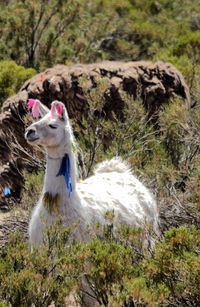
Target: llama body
{"points": [[112, 187]]}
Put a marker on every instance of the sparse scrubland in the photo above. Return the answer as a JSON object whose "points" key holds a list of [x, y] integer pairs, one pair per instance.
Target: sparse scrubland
{"points": [[164, 154]]}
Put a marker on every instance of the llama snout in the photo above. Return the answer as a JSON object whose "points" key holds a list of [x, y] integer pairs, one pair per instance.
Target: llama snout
{"points": [[31, 135]]}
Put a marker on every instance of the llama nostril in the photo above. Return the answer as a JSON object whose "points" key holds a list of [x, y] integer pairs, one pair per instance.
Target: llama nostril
{"points": [[29, 132], [31, 135]]}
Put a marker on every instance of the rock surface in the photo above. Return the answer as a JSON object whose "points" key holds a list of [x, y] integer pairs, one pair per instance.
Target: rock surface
{"points": [[154, 84]]}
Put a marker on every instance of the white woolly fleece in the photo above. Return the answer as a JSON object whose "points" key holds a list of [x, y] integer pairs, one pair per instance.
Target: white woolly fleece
{"points": [[113, 187]]}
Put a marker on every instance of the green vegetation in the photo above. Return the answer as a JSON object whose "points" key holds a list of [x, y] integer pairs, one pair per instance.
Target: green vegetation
{"points": [[39, 35], [86, 31], [40, 277], [12, 77], [116, 270], [120, 272]]}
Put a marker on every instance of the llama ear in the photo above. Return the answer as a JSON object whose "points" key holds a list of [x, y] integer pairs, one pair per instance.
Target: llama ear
{"points": [[58, 109], [37, 108]]}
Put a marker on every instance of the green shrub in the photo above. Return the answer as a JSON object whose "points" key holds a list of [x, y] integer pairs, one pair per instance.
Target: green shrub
{"points": [[117, 269], [175, 265], [12, 77], [32, 189], [174, 125], [42, 276]]}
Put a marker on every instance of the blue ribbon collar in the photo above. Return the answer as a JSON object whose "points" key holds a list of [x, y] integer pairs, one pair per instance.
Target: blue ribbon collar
{"points": [[65, 170]]}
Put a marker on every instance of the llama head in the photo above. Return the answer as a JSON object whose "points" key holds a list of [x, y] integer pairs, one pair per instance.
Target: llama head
{"points": [[50, 130]]}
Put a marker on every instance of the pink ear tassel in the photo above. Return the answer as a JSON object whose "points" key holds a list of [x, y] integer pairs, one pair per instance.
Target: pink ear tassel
{"points": [[35, 106], [56, 108], [30, 103], [60, 109]]}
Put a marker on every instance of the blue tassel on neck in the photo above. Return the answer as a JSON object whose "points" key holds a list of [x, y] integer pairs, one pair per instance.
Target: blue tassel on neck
{"points": [[65, 171]]}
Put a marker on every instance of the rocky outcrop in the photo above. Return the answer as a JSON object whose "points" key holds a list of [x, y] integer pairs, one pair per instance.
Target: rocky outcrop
{"points": [[154, 84]]}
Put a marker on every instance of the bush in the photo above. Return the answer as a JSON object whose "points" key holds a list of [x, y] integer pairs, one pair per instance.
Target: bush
{"points": [[176, 267], [116, 269], [12, 77], [32, 189], [42, 276]]}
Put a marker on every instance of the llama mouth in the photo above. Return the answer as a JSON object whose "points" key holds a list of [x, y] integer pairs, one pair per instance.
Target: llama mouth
{"points": [[32, 139]]}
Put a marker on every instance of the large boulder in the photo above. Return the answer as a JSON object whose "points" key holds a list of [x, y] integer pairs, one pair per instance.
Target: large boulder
{"points": [[154, 84]]}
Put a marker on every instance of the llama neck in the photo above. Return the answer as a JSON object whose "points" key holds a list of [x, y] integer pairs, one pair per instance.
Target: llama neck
{"points": [[52, 183], [56, 184]]}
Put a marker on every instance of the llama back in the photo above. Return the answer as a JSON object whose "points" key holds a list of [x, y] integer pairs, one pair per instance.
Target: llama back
{"points": [[114, 187], [114, 165]]}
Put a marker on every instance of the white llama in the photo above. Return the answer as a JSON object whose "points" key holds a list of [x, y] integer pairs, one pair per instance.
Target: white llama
{"points": [[112, 187]]}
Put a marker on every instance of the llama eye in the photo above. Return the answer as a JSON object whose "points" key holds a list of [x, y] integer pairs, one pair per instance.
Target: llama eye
{"points": [[53, 126]]}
